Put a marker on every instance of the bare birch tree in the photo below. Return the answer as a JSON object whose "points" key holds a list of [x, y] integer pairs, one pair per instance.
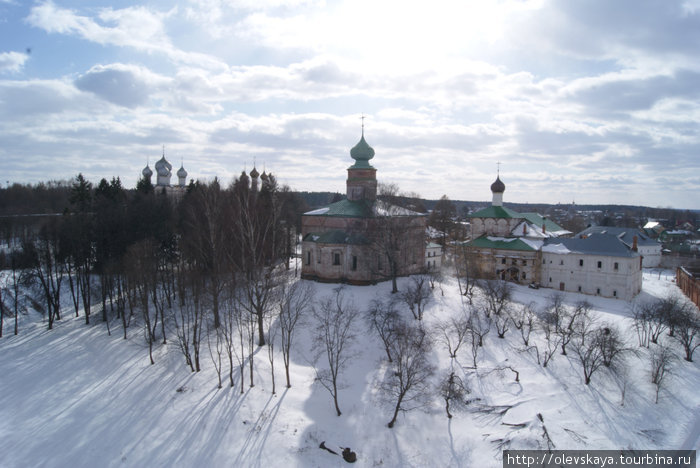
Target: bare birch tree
{"points": [[333, 337]]}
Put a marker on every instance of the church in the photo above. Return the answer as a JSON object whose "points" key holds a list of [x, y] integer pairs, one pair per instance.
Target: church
{"points": [[163, 174], [527, 248], [360, 239]]}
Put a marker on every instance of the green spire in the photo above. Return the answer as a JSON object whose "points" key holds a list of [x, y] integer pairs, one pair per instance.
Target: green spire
{"points": [[362, 153]]}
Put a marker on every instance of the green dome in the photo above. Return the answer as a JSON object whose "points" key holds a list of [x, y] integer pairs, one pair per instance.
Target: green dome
{"points": [[362, 153]]}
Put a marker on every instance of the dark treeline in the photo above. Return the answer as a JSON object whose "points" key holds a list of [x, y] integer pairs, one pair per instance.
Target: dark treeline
{"points": [[201, 265]]}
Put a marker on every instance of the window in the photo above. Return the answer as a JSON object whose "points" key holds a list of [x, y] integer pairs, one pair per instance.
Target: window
{"points": [[336, 258], [580, 262], [600, 264], [308, 257], [550, 279], [524, 262], [503, 261], [561, 262], [616, 266], [614, 293], [524, 275], [579, 289], [514, 262], [597, 291], [354, 262]]}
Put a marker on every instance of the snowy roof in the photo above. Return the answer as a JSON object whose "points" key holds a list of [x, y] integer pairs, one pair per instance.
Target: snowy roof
{"points": [[595, 244], [505, 243], [496, 212], [345, 209], [626, 235], [361, 209], [335, 236], [551, 227]]}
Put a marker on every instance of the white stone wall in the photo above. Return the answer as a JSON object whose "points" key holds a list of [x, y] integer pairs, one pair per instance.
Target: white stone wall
{"points": [[499, 227], [652, 255], [433, 257], [597, 276]]}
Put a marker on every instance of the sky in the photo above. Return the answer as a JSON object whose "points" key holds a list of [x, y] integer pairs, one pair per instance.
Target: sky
{"points": [[585, 101]]}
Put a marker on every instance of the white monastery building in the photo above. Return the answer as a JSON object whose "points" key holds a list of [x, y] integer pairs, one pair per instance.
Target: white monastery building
{"points": [[528, 248]]}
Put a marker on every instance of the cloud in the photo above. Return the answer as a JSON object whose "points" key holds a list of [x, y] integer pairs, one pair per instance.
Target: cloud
{"points": [[135, 27], [12, 62], [123, 85]]}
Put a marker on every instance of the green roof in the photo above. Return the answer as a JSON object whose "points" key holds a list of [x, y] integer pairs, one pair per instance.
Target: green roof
{"points": [[496, 212], [335, 236], [346, 209], [537, 220], [502, 244], [362, 153]]}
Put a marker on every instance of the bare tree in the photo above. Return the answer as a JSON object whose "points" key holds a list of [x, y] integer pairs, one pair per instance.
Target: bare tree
{"points": [[387, 234], [417, 296], [383, 318], [687, 329], [661, 359], [294, 300], [590, 354], [273, 329], [497, 297], [453, 391], [466, 272], [642, 313], [552, 339], [333, 338], [524, 320], [612, 344], [407, 379], [217, 349], [452, 332], [479, 327]]}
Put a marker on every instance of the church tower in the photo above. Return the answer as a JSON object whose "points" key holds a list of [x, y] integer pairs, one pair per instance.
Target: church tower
{"points": [[362, 177], [497, 188]]}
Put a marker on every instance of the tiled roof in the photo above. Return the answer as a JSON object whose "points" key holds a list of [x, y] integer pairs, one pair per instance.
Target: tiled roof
{"points": [[595, 244], [502, 243], [345, 209], [626, 235], [538, 220], [496, 212], [336, 236]]}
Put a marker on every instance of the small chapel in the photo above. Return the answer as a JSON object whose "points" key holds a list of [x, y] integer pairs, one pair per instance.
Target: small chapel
{"points": [[360, 239]]}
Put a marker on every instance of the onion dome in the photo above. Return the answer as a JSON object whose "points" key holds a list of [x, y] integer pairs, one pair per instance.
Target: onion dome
{"points": [[254, 173], [147, 172], [182, 173], [498, 186], [163, 167], [362, 153], [264, 176]]}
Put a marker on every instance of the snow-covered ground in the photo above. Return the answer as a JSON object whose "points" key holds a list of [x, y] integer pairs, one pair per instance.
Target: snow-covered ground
{"points": [[75, 396]]}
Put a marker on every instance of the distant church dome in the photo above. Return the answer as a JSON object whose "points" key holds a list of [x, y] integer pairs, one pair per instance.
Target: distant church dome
{"points": [[254, 173], [498, 186], [163, 167], [147, 172], [362, 153], [182, 173]]}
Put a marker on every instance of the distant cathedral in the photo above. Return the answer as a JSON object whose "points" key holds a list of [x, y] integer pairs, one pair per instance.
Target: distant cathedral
{"points": [[164, 173]]}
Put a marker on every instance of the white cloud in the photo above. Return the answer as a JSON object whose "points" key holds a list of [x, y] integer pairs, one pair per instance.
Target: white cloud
{"points": [[12, 62], [134, 27]]}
